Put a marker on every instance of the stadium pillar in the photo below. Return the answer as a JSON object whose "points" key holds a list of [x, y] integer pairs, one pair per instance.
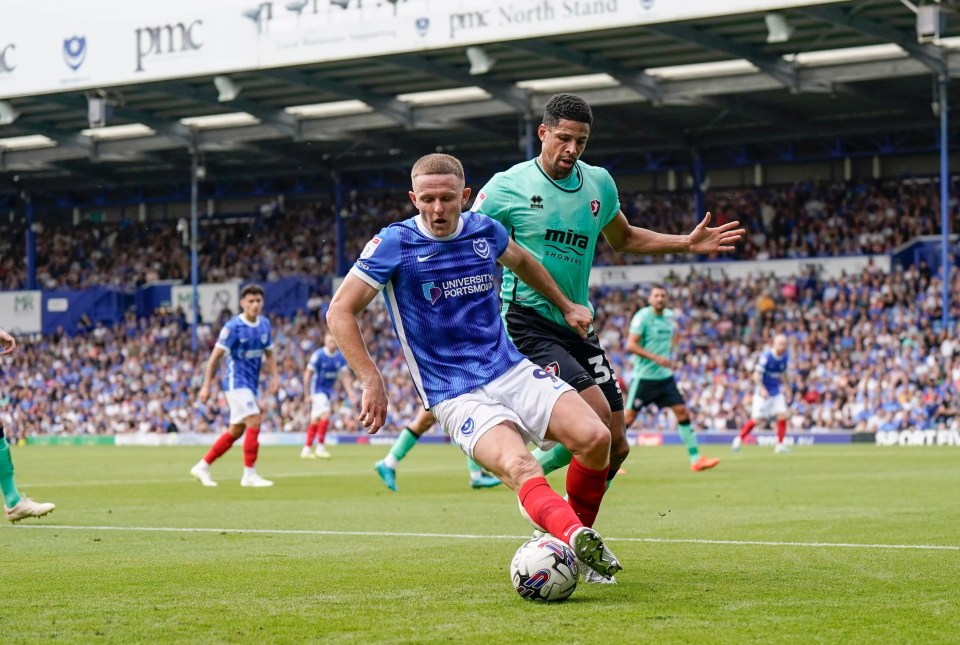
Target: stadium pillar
{"points": [[699, 202], [31, 242], [528, 136], [194, 264], [339, 224], [944, 197]]}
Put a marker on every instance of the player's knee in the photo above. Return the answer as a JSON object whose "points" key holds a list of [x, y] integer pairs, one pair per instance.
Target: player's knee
{"points": [[520, 467], [619, 449], [594, 438]]}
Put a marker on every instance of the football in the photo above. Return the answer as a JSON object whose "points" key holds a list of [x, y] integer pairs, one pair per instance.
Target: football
{"points": [[545, 569]]}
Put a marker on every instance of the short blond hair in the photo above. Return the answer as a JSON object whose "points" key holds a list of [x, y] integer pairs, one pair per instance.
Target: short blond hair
{"points": [[437, 164]]}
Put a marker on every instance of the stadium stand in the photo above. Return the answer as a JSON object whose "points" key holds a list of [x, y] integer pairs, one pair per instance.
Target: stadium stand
{"points": [[140, 375]]}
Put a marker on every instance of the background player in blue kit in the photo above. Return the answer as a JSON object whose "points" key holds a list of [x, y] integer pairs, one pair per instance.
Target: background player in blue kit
{"points": [[768, 396], [244, 340], [325, 367], [436, 272]]}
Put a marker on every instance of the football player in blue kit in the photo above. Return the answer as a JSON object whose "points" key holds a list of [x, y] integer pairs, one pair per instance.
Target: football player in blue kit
{"points": [[769, 401], [436, 272], [245, 340], [325, 367]]}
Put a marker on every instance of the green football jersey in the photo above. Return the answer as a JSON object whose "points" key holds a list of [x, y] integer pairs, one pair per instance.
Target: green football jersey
{"points": [[655, 335], [558, 222]]}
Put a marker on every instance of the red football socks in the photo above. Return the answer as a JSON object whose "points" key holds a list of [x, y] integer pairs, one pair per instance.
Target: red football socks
{"points": [[548, 509], [311, 434], [250, 447], [322, 426], [219, 447], [747, 427], [585, 489], [781, 430]]}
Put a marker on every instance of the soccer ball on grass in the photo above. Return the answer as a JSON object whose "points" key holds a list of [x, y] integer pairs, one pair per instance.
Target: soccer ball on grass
{"points": [[544, 568]]}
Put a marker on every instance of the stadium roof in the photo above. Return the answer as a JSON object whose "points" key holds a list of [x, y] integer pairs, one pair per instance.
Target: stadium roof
{"points": [[851, 79]]}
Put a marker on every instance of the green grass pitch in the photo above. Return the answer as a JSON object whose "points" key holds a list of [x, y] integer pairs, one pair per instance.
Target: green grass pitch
{"points": [[765, 548]]}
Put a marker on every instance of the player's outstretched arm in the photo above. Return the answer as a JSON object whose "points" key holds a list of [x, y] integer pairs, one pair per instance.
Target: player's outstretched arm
{"points": [[624, 238], [210, 372], [7, 343], [351, 298], [532, 273]]}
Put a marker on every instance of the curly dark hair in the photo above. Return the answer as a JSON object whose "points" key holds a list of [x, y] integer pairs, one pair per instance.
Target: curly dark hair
{"points": [[566, 106]]}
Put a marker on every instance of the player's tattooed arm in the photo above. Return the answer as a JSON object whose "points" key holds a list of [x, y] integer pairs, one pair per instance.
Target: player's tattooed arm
{"points": [[532, 273], [351, 298]]}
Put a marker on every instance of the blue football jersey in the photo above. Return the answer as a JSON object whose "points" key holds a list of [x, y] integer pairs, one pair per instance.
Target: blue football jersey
{"points": [[244, 343], [772, 367], [325, 370], [443, 303]]}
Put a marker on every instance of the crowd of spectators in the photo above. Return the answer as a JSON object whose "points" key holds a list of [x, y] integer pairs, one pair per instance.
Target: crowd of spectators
{"points": [[867, 353], [799, 221]]}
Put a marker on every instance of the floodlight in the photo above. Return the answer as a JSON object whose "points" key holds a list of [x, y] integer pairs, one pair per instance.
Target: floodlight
{"points": [[480, 61]]}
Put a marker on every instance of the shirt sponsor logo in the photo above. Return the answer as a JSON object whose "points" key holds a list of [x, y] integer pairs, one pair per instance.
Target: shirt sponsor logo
{"points": [[432, 292], [458, 287], [567, 245]]}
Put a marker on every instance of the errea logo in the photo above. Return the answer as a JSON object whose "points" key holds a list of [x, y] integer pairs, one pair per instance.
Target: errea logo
{"points": [[536, 201]]}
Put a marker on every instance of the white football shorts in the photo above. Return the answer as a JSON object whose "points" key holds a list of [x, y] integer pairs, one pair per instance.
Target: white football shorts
{"points": [[525, 394], [243, 404], [319, 405], [768, 407]]}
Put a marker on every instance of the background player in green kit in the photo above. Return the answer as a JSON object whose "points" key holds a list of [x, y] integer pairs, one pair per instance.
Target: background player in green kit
{"points": [[17, 506], [556, 207], [651, 340]]}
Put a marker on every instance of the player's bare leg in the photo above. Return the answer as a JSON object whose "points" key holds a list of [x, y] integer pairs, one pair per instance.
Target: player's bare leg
{"points": [[559, 456], [504, 453]]}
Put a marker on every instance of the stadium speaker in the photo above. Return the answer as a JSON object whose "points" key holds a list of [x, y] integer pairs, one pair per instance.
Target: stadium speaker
{"points": [[8, 113], [480, 61], [778, 29], [99, 111], [931, 22]]}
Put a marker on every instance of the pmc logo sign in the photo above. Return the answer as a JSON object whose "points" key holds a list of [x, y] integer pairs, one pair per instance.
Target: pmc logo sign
{"points": [[165, 40], [6, 58]]}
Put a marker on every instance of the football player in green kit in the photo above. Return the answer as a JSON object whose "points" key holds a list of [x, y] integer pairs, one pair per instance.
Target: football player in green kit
{"points": [[651, 340], [556, 207]]}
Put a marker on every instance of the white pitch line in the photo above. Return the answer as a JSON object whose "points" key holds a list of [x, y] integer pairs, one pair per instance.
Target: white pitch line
{"points": [[188, 479], [469, 536]]}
